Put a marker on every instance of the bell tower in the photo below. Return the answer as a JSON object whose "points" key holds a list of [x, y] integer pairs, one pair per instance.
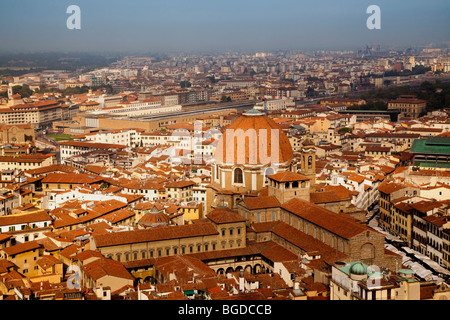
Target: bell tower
{"points": [[10, 91], [308, 160]]}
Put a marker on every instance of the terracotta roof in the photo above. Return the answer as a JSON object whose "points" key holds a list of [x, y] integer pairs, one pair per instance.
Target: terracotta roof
{"points": [[20, 248], [179, 184], [425, 206], [106, 268], [155, 234], [220, 216], [288, 176], [261, 202], [390, 186], [75, 178], [330, 194], [256, 141], [5, 265], [340, 225], [184, 267], [47, 261], [118, 215], [87, 254], [150, 219], [24, 218], [51, 168]]}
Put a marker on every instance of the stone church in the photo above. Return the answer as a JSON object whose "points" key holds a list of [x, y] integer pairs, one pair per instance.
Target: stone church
{"points": [[264, 191]]}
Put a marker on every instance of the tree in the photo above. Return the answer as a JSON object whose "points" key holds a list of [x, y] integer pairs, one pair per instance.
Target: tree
{"points": [[24, 90], [185, 84]]}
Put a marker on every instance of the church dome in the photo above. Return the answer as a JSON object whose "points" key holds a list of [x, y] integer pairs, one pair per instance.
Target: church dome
{"points": [[253, 139], [358, 268]]}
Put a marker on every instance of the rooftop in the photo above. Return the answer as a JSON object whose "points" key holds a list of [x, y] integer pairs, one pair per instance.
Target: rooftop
{"points": [[432, 145]]}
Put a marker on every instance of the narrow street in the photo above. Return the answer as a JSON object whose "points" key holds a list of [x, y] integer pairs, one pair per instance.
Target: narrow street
{"points": [[424, 267]]}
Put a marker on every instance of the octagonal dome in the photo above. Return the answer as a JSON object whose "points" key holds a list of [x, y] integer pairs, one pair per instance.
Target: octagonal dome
{"points": [[253, 139]]}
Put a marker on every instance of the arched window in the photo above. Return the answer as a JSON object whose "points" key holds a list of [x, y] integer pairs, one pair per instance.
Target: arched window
{"points": [[269, 171], [238, 177], [368, 253], [309, 161]]}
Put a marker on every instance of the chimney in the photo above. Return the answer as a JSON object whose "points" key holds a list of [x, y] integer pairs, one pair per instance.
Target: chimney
{"points": [[241, 281]]}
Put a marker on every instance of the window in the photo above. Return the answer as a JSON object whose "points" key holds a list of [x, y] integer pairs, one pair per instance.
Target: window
{"points": [[238, 177]]}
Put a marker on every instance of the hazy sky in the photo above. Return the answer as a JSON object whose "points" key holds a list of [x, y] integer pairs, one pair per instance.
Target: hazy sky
{"points": [[203, 25]]}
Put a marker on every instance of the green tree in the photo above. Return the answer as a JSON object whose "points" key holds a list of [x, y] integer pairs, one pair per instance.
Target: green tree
{"points": [[185, 84], [24, 90]]}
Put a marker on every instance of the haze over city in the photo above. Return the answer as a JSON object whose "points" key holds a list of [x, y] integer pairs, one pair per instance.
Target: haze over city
{"points": [[200, 25]]}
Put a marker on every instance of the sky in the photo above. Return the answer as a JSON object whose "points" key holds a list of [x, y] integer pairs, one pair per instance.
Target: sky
{"points": [[212, 25]]}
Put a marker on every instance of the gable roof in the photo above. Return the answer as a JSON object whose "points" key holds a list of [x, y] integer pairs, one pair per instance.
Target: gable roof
{"points": [[261, 202], [103, 267], [340, 225], [219, 216], [155, 234], [288, 176], [20, 248]]}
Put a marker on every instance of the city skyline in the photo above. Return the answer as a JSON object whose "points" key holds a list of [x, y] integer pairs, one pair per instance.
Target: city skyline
{"points": [[156, 26]]}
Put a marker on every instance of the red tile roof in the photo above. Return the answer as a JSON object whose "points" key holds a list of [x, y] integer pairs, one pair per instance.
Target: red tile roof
{"points": [[39, 216], [74, 178], [261, 202], [342, 226], [263, 126], [155, 234], [20, 248], [220, 216], [288, 176], [106, 268]]}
